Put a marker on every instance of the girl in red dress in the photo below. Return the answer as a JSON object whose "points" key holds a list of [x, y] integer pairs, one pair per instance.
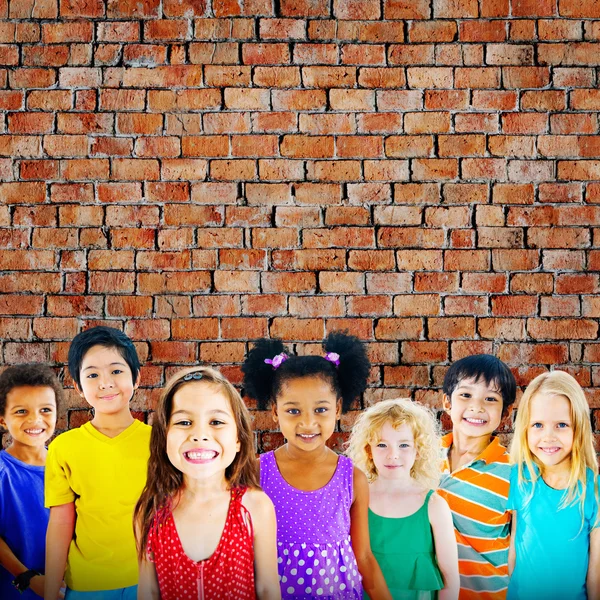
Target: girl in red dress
{"points": [[204, 528]]}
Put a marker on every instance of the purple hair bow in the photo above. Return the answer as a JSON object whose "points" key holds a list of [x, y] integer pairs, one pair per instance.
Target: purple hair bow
{"points": [[277, 360], [333, 357]]}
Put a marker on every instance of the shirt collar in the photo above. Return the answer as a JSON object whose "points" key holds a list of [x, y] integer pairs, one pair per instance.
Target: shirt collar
{"points": [[492, 453]]}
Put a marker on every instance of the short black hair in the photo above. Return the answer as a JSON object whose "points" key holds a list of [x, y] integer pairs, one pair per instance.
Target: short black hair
{"points": [[348, 380], [28, 374], [483, 366], [109, 337]]}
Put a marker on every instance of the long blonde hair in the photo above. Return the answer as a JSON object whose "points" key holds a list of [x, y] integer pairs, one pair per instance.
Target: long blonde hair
{"points": [[367, 430], [583, 454]]}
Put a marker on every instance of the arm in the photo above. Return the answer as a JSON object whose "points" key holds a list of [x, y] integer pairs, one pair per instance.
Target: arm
{"points": [[446, 550], [262, 512], [148, 582], [512, 553], [373, 581], [58, 539], [15, 567], [593, 574]]}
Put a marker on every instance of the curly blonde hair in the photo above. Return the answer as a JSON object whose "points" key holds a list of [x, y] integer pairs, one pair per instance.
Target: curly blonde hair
{"points": [[425, 428]]}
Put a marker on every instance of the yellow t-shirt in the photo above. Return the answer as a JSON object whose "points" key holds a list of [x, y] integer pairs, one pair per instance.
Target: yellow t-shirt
{"points": [[105, 478]]}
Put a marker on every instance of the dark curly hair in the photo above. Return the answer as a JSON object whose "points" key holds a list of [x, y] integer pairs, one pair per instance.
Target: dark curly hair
{"points": [[348, 380], [29, 374]]}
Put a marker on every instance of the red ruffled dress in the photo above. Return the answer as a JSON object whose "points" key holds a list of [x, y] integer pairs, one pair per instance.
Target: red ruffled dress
{"points": [[227, 574]]}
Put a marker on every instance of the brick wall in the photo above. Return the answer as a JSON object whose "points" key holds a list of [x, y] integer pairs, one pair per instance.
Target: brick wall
{"points": [[425, 173]]}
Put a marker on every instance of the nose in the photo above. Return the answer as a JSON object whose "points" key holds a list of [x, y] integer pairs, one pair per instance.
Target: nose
{"points": [[199, 433], [105, 381], [394, 452], [307, 420]]}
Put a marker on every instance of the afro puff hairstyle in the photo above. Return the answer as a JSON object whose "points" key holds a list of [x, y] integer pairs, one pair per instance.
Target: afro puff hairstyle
{"points": [[348, 380]]}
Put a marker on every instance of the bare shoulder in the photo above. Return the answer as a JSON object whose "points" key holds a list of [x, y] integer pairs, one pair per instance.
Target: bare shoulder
{"points": [[359, 477], [438, 508], [258, 504]]}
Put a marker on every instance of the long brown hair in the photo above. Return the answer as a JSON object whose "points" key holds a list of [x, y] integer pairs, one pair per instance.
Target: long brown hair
{"points": [[164, 480]]}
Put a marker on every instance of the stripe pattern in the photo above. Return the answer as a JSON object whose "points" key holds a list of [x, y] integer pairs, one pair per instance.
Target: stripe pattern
{"points": [[477, 494]]}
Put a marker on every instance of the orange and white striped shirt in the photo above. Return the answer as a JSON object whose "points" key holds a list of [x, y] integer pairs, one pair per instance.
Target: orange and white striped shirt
{"points": [[477, 494]]}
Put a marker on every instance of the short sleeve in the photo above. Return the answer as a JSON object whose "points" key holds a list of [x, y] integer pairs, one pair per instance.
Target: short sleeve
{"points": [[57, 489], [514, 493]]}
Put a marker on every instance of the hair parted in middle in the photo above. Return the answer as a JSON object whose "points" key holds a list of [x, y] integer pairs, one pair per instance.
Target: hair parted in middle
{"points": [[164, 480], [263, 381], [583, 454], [425, 428]]}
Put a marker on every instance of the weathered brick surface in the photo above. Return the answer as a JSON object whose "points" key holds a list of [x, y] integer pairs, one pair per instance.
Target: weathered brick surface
{"points": [[199, 173]]}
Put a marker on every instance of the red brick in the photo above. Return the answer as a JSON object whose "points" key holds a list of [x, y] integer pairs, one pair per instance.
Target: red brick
{"points": [[325, 77], [442, 328], [562, 329], [337, 282], [15, 192], [398, 329], [525, 77], [532, 283]]}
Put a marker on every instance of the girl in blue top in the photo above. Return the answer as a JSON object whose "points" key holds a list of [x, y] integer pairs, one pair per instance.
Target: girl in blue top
{"points": [[555, 542]]}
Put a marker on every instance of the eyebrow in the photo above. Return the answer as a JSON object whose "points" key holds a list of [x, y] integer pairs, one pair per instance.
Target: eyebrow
{"points": [[48, 404], [217, 411], [122, 364], [470, 386]]}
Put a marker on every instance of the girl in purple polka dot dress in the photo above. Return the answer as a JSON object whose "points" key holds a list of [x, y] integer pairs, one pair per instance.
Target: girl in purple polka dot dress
{"points": [[321, 500]]}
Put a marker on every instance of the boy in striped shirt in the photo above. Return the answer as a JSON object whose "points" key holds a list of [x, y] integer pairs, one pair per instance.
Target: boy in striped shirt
{"points": [[479, 391]]}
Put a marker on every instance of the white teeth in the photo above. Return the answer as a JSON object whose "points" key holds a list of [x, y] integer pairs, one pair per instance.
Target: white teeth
{"points": [[550, 450], [308, 436], [34, 431], [476, 421], [201, 455]]}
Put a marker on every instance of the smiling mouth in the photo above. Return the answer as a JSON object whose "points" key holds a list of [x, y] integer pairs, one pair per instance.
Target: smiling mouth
{"points": [[34, 431], [308, 437], [473, 421], [105, 398], [550, 450], [200, 456]]}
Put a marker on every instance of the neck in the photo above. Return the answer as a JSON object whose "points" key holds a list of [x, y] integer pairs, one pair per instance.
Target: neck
{"points": [[311, 456], [557, 476], [204, 489], [472, 446], [32, 455], [112, 425], [393, 486]]}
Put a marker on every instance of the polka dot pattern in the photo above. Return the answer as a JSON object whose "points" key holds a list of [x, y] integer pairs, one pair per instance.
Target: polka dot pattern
{"points": [[314, 553], [227, 574]]}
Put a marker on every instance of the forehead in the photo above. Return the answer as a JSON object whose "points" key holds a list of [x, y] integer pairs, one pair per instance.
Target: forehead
{"points": [[101, 356], [307, 389], [28, 395], [402, 432], [478, 384], [548, 406], [198, 397]]}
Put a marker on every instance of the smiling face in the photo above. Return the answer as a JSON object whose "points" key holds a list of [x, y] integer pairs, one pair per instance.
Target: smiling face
{"points": [[307, 410], [475, 408], [394, 453], [202, 438], [550, 431], [106, 381], [30, 416]]}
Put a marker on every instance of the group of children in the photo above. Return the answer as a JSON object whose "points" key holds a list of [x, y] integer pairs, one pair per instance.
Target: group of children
{"points": [[184, 510]]}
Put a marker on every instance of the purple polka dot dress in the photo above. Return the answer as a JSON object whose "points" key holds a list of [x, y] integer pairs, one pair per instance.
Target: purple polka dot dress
{"points": [[314, 553]]}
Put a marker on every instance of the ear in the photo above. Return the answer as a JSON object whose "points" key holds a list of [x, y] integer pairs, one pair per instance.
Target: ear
{"points": [[446, 403], [238, 446], [338, 409], [507, 412], [137, 381], [78, 390], [3, 423], [274, 412]]}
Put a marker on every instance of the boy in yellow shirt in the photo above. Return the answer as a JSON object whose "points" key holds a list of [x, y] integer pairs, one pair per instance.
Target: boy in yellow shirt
{"points": [[95, 475]]}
